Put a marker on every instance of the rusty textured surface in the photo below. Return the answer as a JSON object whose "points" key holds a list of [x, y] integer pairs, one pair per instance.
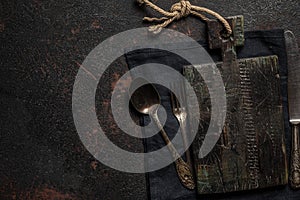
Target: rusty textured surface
{"points": [[43, 44]]}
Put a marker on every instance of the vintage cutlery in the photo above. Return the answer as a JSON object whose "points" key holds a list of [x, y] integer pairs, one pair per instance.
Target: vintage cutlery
{"points": [[293, 58], [179, 111], [146, 100]]}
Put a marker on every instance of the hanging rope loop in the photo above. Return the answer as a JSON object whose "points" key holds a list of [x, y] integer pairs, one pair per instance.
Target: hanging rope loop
{"points": [[179, 10]]}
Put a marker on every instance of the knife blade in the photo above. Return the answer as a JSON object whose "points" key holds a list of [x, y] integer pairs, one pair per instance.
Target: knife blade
{"points": [[293, 61]]}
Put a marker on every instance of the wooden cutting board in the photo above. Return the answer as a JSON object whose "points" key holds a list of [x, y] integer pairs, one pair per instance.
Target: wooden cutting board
{"points": [[250, 153]]}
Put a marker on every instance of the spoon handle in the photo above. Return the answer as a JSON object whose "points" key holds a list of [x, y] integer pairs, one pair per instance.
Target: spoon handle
{"points": [[183, 170]]}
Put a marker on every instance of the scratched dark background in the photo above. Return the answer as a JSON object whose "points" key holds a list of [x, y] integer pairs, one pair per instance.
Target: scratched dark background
{"points": [[42, 45]]}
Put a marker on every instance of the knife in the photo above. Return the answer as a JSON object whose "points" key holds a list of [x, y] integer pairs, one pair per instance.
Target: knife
{"points": [[293, 61]]}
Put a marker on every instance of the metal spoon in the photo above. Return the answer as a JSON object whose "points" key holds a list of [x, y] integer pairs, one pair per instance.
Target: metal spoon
{"points": [[146, 100]]}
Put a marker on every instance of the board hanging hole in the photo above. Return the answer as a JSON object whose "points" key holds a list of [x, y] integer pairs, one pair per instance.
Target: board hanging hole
{"points": [[224, 35]]}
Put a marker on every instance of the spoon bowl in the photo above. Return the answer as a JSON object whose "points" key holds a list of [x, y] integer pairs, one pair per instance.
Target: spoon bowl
{"points": [[145, 98]]}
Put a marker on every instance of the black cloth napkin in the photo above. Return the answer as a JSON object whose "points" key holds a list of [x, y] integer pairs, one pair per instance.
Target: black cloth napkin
{"points": [[164, 183]]}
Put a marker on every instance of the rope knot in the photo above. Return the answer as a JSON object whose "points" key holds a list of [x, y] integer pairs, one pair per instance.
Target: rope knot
{"points": [[179, 10], [182, 8]]}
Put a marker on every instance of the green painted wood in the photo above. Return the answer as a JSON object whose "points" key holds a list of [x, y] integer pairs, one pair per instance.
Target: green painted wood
{"points": [[250, 153]]}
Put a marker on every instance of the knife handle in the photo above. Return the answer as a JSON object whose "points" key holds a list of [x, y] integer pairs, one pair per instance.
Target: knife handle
{"points": [[295, 158]]}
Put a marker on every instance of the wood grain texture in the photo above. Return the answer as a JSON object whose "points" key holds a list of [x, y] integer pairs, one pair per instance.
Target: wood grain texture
{"points": [[250, 153]]}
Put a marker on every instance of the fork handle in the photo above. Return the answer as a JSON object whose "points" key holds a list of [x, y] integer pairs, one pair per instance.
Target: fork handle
{"points": [[182, 124], [183, 170]]}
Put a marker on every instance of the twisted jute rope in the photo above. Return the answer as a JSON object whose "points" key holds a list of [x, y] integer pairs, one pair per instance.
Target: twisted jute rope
{"points": [[180, 10]]}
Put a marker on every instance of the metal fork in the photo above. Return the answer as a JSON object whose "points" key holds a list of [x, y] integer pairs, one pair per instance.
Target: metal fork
{"points": [[180, 112]]}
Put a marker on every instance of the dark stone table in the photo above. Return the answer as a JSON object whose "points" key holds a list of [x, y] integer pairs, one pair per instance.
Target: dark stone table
{"points": [[43, 44]]}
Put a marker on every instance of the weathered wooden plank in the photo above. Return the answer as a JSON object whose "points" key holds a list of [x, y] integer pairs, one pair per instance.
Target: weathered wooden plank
{"points": [[216, 34], [250, 153]]}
